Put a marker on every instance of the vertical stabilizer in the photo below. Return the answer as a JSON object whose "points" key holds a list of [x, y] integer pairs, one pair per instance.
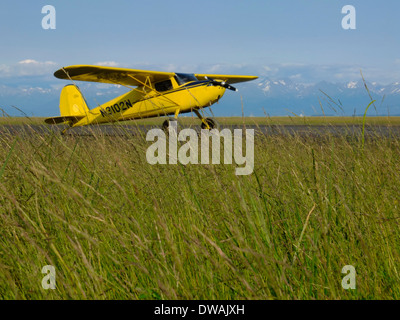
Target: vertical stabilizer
{"points": [[72, 102]]}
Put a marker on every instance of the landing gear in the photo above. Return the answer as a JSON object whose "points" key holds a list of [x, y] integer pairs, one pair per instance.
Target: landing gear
{"points": [[209, 123], [165, 124], [65, 130], [206, 123]]}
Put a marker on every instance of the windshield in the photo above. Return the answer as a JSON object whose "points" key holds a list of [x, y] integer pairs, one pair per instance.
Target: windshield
{"points": [[183, 78]]}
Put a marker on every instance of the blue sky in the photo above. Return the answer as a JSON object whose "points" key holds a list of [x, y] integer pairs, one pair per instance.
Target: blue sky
{"points": [[289, 35], [298, 39]]}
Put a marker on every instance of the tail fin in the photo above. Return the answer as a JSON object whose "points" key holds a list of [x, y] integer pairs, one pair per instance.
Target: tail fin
{"points": [[72, 102], [73, 106]]}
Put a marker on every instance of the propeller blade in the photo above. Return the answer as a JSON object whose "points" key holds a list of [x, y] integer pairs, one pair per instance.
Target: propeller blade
{"points": [[227, 86], [221, 83]]}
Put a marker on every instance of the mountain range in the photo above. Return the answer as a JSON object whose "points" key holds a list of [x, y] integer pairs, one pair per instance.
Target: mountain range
{"points": [[265, 96]]}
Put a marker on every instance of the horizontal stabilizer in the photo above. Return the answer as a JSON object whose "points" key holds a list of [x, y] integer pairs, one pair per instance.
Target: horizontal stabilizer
{"points": [[63, 119]]}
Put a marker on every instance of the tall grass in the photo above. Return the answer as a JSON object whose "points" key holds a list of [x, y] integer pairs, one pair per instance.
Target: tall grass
{"points": [[227, 121], [116, 227]]}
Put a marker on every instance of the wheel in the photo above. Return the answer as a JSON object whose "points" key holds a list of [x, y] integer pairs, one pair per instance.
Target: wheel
{"points": [[165, 124], [212, 123]]}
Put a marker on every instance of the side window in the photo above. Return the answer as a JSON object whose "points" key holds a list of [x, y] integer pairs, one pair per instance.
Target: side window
{"points": [[163, 85]]}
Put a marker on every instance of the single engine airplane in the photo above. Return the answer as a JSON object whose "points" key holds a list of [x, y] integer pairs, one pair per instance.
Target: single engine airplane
{"points": [[152, 94]]}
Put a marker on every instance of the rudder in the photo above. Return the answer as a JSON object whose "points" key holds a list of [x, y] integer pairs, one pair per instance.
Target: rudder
{"points": [[72, 102]]}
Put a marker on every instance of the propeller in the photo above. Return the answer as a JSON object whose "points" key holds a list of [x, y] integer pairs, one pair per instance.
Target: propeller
{"points": [[221, 83]]}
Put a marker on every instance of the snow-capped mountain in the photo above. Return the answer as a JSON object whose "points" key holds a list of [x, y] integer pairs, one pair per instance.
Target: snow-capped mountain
{"points": [[277, 87], [346, 98]]}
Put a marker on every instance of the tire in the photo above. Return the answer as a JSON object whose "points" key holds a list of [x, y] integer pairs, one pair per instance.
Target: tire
{"points": [[212, 123], [165, 125]]}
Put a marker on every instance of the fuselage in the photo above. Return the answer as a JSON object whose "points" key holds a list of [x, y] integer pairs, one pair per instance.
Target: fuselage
{"points": [[180, 94]]}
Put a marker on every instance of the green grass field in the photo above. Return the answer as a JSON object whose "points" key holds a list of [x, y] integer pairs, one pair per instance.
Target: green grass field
{"points": [[115, 227], [190, 120]]}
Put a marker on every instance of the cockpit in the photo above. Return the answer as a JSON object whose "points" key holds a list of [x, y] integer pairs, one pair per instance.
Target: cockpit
{"points": [[182, 78]]}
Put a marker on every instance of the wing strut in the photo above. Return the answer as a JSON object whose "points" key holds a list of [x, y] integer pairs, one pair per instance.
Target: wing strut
{"points": [[144, 84]]}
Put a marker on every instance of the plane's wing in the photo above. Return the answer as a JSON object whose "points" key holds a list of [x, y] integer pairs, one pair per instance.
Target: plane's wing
{"points": [[227, 78], [129, 77]]}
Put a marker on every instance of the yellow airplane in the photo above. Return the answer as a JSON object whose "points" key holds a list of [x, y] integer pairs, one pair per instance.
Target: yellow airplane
{"points": [[152, 94]]}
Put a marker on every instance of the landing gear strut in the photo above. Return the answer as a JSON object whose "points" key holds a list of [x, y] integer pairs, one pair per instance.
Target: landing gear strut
{"points": [[207, 123]]}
